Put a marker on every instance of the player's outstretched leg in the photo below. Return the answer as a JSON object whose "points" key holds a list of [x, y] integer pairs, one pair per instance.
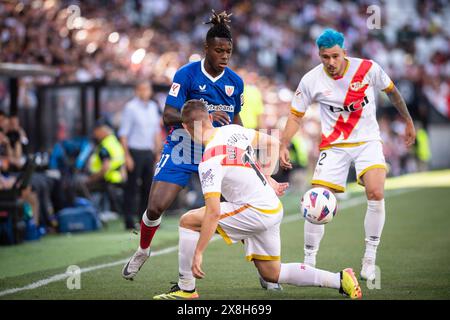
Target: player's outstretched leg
{"points": [[373, 225], [313, 234], [374, 220], [302, 275], [162, 194], [185, 287], [190, 224]]}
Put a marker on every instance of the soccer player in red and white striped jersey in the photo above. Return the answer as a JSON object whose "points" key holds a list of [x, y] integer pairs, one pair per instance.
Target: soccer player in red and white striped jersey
{"points": [[345, 90]]}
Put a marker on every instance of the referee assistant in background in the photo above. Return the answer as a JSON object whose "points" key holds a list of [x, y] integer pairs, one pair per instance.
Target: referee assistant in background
{"points": [[140, 136]]}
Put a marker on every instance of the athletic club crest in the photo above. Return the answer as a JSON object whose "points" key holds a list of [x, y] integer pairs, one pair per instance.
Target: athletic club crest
{"points": [[229, 90]]}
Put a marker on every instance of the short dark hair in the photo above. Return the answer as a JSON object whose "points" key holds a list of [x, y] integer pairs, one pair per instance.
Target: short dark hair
{"points": [[220, 26], [193, 110]]}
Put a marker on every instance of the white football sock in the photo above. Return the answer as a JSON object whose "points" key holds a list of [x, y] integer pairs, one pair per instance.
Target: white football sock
{"points": [[150, 223], [302, 275], [373, 225], [313, 235], [186, 247]]}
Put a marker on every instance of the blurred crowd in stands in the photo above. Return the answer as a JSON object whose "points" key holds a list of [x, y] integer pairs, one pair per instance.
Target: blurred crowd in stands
{"points": [[121, 41]]}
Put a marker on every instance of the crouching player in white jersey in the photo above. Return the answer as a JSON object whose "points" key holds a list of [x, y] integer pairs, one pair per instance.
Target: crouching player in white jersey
{"points": [[345, 88], [252, 213]]}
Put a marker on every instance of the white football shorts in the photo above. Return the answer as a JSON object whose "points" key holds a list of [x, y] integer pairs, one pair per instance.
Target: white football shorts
{"points": [[259, 231], [334, 163]]}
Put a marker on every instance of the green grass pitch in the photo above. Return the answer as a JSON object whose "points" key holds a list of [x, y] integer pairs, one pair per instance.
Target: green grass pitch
{"points": [[414, 255]]}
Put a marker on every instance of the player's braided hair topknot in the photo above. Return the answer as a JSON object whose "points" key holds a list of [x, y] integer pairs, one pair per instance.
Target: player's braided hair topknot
{"points": [[220, 26]]}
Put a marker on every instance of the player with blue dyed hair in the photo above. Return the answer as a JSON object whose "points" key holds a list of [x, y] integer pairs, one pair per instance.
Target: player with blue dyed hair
{"points": [[330, 38], [345, 87], [332, 51]]}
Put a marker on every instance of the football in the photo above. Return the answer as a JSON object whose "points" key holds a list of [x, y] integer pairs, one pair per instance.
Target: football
{"points": [[318, 205]]}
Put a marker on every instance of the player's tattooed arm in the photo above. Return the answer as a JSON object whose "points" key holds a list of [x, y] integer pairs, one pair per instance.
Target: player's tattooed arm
{"points": [[399, 103], [171, 116]]}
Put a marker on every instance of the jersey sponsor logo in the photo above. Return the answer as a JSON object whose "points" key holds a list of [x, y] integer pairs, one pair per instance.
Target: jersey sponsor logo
{"points": [[207, 178], [202, 88], [353, 101], [174, 89], [353, 106], [217, 107], [229, 90]]}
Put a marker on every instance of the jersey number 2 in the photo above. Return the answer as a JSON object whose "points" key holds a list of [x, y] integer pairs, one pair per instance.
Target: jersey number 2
{"points": [[322, 157]]}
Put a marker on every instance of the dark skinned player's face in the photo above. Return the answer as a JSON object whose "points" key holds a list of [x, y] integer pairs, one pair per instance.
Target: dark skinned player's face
{"points": [[217, 55]]}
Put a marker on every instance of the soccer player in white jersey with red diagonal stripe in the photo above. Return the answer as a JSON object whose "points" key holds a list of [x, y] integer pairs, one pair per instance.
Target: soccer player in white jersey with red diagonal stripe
{"points": [[345, 89], [252, 212]]}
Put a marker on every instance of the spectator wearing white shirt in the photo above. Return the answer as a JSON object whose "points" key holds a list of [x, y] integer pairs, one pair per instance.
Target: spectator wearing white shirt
{"points": [[140, 136]]}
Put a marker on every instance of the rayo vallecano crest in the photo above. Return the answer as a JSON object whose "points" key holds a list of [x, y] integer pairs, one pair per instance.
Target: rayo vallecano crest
{"points": [[355, 86]]}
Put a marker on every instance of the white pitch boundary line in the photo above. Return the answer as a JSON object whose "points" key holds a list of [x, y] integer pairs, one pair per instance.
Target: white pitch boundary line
{"points": [[58, 277], [62, 276]]}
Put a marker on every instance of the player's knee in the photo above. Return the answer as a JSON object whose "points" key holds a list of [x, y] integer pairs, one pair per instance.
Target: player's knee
{"points": [[154, 211], [268, 270], [184, 220], [375, 194], [188, 220]]}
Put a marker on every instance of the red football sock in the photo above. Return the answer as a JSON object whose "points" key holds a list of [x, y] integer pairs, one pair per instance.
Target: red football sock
{"points": [[147, 234]]}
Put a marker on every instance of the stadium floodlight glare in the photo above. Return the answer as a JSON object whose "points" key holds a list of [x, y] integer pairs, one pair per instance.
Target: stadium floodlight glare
{"points": [[81, 35], [138, 56], [91, 47], [113, 37], [19, 7], [79, 22], [49, 4]]}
